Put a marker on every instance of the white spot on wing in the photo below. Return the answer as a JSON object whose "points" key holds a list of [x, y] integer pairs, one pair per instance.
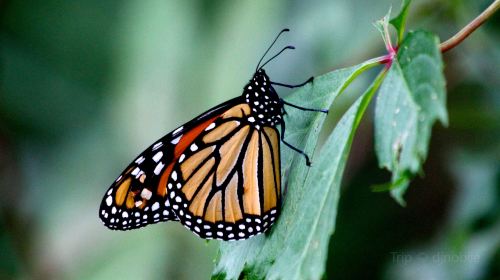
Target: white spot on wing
{"points": [[136, 171], [139, 160], [155, 206], [193, 147], [157, 145], [158, 168], [178, 129], [109, 200], [158, 156], [146, 194], [212, 125], [176, 140]]}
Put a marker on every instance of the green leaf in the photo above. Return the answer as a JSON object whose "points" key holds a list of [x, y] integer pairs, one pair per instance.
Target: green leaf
{"points": [[317, 208], [411, 98], [296, 246], [399, 22]]}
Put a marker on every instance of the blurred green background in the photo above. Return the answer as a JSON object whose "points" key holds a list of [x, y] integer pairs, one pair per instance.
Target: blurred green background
{"points": [[86, 85]]}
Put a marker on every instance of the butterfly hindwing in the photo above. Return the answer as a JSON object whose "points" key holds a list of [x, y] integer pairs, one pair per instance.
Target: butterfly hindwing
{"points": [[227, 184]]}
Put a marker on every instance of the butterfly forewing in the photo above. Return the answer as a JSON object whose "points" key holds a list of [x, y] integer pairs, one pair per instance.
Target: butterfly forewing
{"points": [[138, 197], [227, 184]]}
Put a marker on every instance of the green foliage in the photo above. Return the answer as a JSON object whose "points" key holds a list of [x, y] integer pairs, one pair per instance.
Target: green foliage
{"points": [[296, 247], [399, 22], [411, 99]]}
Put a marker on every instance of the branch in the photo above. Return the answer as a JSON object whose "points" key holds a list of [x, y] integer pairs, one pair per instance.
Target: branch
{"points": [[469, 28]]}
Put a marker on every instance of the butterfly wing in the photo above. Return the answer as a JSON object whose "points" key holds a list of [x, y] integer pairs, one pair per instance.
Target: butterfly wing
{"points": [[227, 184], [138, 197]]}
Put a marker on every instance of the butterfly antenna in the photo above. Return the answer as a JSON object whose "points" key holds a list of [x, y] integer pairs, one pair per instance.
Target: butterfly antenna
{"points": [[275, 39], [284, 49]]}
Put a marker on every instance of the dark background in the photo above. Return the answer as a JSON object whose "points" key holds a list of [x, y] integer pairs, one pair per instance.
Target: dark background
{"points": [[86, 85]]}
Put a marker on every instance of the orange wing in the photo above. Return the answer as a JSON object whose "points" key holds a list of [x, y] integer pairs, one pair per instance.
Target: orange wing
{"points": [[227, 184]]}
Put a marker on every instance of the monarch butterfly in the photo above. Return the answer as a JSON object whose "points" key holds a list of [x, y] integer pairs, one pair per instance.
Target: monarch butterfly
{"points": [[218, 175]]}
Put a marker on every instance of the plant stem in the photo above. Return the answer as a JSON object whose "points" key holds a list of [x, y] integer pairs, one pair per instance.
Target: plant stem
{"points": [[469, 28], [384, 59]]}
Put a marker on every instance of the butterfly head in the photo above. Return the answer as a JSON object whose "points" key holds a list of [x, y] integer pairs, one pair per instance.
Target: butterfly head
{"points": [[259, 94]]}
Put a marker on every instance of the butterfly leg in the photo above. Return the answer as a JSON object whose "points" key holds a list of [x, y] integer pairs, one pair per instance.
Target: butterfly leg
{"points": [[308, 162], [293, 86], [303, 108], [284, 112]]}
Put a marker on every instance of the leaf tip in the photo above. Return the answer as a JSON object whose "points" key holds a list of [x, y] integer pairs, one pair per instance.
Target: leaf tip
{"points": [[399, 189], [219, 276], [399, 21]]}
